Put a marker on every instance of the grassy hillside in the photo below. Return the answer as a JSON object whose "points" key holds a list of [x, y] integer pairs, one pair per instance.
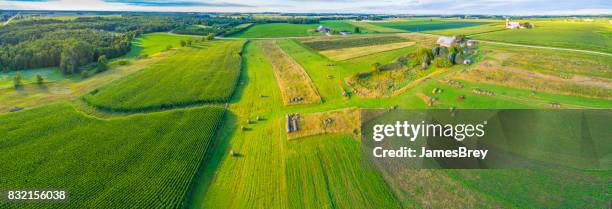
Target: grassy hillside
{"points": [[589, 36], [152, 43], [143, 161], [206, 72]]}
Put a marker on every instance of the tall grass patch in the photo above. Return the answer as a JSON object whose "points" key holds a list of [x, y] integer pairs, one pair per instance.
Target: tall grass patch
{"points": [[294, 83]]}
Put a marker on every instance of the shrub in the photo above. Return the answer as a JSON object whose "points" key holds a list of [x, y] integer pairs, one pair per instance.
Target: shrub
{"points": [[102, 64], [122, 62], [39, 79], [84, 74], [17, 80], [442, 62]]}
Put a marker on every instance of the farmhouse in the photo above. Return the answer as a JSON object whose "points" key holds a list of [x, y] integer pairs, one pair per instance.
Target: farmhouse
{"points": [[513, 25], [446, 41], [516, 25], [323, 29]]}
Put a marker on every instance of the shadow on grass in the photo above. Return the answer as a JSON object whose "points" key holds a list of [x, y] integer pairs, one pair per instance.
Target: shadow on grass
{"points": [[220, 148]]}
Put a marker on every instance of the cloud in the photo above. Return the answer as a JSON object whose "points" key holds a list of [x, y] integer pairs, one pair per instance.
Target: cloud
{"points": [[179, 3], [31, 0], [433, 7]]}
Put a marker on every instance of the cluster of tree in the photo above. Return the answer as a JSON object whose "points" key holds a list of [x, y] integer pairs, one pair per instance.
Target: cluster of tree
{"points": [[369, 17], [70, 44], [292, 20], [439, 56], [215, 25]]}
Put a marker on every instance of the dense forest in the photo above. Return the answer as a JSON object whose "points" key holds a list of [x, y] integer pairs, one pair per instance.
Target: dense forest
{"points": [[72, 43], [69, 44]]}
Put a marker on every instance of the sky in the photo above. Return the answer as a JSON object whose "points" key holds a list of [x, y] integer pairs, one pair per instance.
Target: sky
{"points": [[497, 7]]}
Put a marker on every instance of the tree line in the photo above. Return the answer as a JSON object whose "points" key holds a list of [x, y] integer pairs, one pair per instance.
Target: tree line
{"points": [[70, 44]]}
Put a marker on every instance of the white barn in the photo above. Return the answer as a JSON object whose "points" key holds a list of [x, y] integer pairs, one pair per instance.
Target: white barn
{"points": [[513, 25]]}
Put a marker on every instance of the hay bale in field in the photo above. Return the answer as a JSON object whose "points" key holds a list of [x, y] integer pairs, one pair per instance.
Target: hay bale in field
{"points": [[483, 92], [15, 109], [555, 105], [328, 121], [430, 101], [436, 91], [292, 122], [289, 125]]}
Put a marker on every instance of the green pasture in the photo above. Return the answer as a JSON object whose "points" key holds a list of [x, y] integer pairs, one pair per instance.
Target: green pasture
{"points": [[425, 25], [29, 76], [152, 43], [573, 35]]}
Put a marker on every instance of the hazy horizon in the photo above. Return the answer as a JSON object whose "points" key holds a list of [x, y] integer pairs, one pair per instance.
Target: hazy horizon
{"points": [[416, 7]]}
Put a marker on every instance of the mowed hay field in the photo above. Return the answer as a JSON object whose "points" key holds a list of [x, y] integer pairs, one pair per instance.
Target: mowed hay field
{"points": [[345, 121], [344, 48], [325, 43], [204, 73], [328, 172], [140, 161], [574, 35], [350, 53], [295, 85]]}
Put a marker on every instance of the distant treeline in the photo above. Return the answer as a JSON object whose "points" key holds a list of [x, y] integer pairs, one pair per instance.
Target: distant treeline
{"points": [[225, 26], [69, 44], [204, 25]]}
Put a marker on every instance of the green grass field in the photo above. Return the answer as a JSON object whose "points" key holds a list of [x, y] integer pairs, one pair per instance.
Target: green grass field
{"points": [[470, 30], [152, 43], [204, 73], [578, 35], [276, 30], [375, 28], [144, 161], [29, 76], [419, 26]]}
